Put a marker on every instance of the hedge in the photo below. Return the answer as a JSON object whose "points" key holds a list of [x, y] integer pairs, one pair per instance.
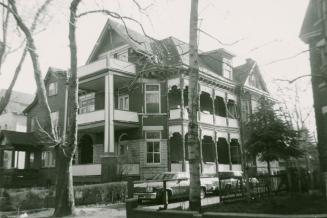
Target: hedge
{"points": [[34, 198]]}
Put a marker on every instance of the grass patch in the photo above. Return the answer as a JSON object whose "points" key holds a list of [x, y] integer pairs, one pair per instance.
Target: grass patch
{"points": [[287, 204]]}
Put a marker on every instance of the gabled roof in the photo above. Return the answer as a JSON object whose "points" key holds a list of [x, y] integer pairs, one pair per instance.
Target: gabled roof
{"points": [[312, 24], [241, 73], [144, 45], [20, 140], [56, 72], [18, 101]]}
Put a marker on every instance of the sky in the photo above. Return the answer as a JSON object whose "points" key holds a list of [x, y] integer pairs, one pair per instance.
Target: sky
{"points": [[266, 31]]}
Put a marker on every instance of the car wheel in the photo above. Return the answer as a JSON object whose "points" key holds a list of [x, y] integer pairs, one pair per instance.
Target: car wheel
{"points": [[202, 193]]}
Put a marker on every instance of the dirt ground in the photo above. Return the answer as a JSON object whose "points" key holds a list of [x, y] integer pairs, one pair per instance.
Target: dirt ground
{"points": [[112, 211]]}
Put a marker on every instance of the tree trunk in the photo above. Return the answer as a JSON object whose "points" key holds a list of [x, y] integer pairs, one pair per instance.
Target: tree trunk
{"points": [[268, 177], [65, 204], [64, 201], [193, 140]]}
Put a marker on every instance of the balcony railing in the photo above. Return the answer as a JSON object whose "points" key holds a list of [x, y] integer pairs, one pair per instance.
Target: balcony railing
{"points": [[106, 64], [176, 114], [205, 118], [126, 116], [99, 115], [91, 117], [233, 123], [220, 121]]}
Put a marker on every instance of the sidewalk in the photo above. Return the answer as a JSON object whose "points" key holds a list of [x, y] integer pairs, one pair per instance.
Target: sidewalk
{"points": [[112, 211]]}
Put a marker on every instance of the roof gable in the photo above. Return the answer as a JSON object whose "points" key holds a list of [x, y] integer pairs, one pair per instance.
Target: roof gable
{"points": [[249, 74], [137, 41], [52, 72]]}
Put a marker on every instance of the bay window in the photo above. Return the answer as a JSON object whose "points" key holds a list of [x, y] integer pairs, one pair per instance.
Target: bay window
{"points": [[153, 146], [152, 98]]}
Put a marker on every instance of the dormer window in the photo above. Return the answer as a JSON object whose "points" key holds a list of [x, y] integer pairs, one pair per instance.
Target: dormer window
{"points": [[53, 89], [227, 68]]}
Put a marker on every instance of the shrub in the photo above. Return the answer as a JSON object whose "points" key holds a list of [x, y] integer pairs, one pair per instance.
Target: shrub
{"points": [[100, 193], [25, 199]]}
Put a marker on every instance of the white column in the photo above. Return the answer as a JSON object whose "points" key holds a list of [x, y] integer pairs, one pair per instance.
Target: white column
{"points": [[109, 142]]}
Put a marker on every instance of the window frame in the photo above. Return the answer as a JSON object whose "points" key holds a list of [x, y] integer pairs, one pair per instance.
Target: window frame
{"points": [[153, 141], [227, 68], [55, 92], [88, 108], [125, 107], [152, 92], [47, 159]]}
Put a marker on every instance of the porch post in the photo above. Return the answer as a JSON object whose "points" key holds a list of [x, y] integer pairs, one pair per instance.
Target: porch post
{"points": [[109, 160], [181, 85], [109, 142], [229, 153]]}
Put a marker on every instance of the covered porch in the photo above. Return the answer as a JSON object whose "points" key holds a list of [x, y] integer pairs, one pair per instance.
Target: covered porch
{"points": [[21, 158]]}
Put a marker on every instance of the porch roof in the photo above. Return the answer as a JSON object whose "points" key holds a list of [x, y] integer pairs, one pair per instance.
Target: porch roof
{"points": [[20, 141]]}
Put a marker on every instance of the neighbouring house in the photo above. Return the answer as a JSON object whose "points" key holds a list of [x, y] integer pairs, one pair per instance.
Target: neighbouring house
{"points": [[12, 117], [13, 120], [313, 33], [133, 108]]}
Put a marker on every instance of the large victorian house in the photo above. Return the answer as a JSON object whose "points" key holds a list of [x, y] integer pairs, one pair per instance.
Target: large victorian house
{"points": [[133, 107]]}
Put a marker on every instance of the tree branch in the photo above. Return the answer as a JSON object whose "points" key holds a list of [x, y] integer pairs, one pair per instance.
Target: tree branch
{"points": [[5, 100]]}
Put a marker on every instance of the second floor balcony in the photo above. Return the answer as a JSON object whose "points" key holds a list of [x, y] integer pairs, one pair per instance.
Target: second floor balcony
{"points": [[106, 64]]}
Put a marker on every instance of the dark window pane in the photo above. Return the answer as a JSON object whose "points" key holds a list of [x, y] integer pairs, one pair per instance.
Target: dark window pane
{"points": [[149, 158], [156, 158], [156, 146], [150, 146], [153, 135], [222, 147]]}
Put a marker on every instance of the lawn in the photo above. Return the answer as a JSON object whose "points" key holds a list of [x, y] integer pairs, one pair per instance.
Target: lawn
{"points": [[285, 204]]}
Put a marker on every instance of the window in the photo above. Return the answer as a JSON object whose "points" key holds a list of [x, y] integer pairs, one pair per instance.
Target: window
{"points": [[152, 98], [227, 68], [223, 153], [19, 159], [220, 108], [31, 160], [206, 103], [33, 124], [123, 102], [48, 159], [7, 159], [231, 107], [55, 119], [53, 89], [153, 146], [235, 151], [87, 103]]}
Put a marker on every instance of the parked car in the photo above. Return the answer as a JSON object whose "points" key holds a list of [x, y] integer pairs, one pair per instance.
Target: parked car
{"points": [[177, 186]]}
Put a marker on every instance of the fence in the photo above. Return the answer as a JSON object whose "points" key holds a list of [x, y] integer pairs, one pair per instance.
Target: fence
{"points": [[234, 188]]}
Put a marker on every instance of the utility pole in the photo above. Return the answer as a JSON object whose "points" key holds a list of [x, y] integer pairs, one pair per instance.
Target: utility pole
{"points": [[242, 142], [193, 128]]}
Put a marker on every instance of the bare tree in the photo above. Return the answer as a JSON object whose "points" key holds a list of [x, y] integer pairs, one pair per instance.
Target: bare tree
{"points": [[5, 99]]}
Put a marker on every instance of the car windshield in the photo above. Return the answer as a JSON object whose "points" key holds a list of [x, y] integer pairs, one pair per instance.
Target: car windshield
{"points": [[164, 176]]}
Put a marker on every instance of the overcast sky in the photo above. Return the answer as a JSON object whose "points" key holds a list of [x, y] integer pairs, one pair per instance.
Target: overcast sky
{"points": [[268, 30]]}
